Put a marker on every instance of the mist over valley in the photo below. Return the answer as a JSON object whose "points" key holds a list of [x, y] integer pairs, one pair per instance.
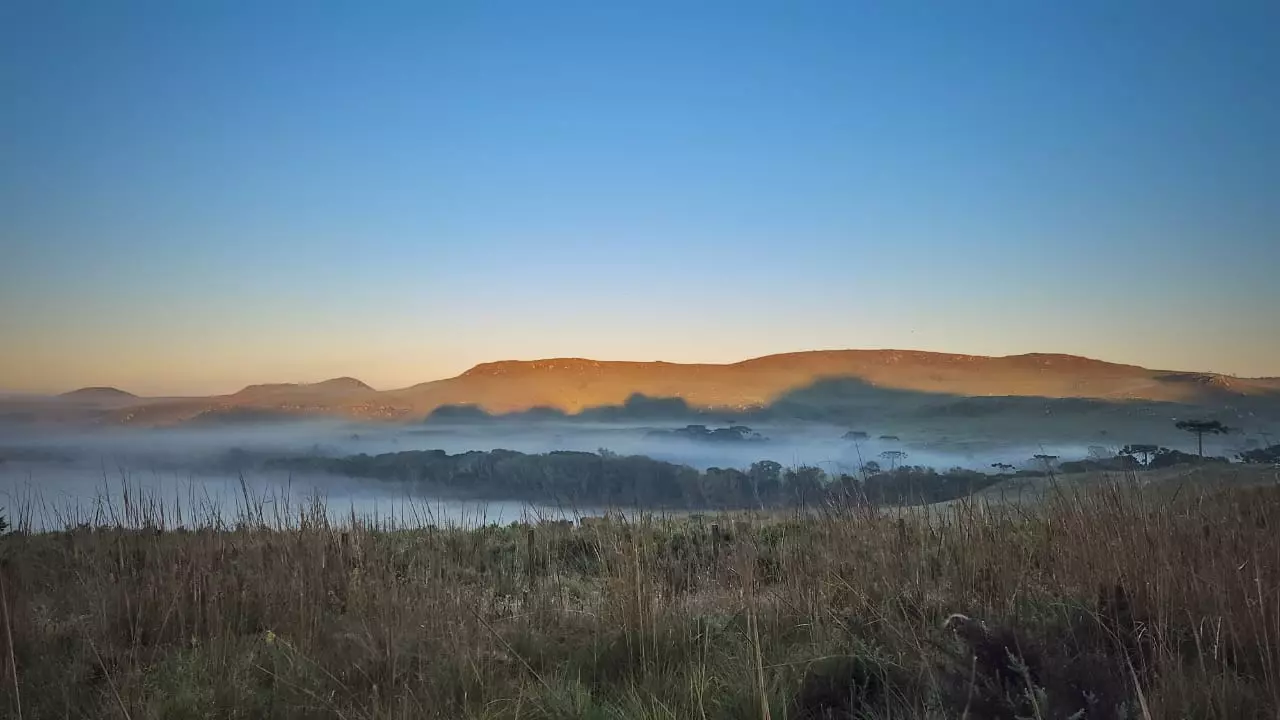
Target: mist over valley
{"points": [[842, 413]]}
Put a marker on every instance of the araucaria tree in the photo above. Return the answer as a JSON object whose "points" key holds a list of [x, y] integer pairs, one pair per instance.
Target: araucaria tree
{"points": [[1202, 428], [894, 457]]}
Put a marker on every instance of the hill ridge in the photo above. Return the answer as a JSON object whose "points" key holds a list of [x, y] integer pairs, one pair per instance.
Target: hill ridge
{"points": [[835, 385], [344, 382], [500, 367], [98, 391]]}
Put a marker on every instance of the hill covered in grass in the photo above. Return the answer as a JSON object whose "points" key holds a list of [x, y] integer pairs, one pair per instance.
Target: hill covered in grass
{"points": [[574, 385], [98, 393], [828, 385]]}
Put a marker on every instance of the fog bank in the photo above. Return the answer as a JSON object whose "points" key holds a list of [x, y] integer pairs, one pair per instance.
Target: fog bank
{"points": [[65, 475]]}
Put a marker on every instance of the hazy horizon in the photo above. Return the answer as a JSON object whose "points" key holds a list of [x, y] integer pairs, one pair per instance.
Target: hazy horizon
{"points": [[196, 198], [315, 380]]}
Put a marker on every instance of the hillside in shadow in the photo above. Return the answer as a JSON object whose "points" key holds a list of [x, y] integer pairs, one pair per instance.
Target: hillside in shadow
{"points": [[853, 403], [833, 386]]}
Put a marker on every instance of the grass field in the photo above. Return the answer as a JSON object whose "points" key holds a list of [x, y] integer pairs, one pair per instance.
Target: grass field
{"points": [[1110, 602]]}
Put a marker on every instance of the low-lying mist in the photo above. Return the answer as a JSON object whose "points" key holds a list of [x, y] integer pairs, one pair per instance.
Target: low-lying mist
{"points": [[203, 448], [64, 476]]}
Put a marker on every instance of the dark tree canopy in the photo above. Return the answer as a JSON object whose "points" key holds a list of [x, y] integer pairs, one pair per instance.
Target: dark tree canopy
{"points": [[1262, 456], [1140, 449], [893, 456], [733, 433], [583, 480], [1200, 428]]}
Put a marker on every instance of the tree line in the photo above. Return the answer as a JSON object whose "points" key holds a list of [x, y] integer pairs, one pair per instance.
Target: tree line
{"points": [[609, 479]]}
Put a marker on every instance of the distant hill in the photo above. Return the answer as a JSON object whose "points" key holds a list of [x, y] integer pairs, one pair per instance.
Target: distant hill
{"points": [[341, 386], [346, 384], [827, 385], [574, 384], [98, 393]]}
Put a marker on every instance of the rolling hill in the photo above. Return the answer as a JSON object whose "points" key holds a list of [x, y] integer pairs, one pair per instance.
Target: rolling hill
{"points": [[98, 394], [819, 384]]}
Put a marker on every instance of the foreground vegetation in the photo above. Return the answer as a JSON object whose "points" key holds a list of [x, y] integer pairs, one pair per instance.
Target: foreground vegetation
{"points": [[1122, 602]]}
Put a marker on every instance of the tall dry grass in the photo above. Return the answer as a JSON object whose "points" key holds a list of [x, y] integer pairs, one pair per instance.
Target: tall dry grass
{"points": [[1117, 602]]}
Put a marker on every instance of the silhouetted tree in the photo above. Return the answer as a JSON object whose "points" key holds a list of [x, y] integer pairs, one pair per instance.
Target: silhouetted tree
{"points": [[1202, 428], [766, 476], [1267, 455], [805, 483], [1046, 460], [1146, 451], [1003, 467], [893, 456], [1164, 457]]}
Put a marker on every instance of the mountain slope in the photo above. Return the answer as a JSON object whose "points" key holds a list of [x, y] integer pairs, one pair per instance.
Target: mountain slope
{"points": [[572, 385], [333, 388]]}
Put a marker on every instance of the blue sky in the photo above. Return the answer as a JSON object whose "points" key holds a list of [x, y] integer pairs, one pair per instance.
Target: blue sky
{"points": [[199, 195]]}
